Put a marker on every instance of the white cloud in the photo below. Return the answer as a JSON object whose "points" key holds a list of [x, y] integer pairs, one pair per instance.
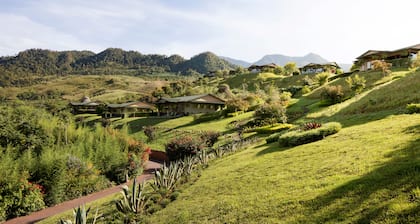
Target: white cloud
{"points": [[337, 30]]}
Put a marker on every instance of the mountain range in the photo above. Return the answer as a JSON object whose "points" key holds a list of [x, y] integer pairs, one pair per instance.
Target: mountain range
{"points": [[31, 65], [280, 59]]}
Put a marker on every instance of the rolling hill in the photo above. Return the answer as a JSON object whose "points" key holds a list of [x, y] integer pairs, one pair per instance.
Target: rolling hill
{"points": [[28, 66]]}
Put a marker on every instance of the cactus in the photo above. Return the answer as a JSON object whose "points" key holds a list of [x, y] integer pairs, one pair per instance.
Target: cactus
{"points": [[134, 202]]}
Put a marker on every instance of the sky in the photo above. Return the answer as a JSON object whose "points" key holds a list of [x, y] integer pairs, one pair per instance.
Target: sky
{"points": [[338, 30]]}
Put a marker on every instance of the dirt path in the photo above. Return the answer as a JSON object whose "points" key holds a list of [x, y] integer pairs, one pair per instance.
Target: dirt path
{"points": [[68, 205]]}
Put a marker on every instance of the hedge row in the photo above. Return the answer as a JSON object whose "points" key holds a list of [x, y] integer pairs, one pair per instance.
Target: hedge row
{"points": [[413, 108], [269, 129], [299, 137]]}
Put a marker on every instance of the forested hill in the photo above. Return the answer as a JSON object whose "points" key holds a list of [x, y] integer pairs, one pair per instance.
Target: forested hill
{"points": [[21, 69]]}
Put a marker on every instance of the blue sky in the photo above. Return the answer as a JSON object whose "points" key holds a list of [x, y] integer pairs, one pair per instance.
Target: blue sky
{"points": [[338, 30]]}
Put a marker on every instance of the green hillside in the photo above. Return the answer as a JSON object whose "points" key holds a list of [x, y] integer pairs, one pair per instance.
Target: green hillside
{"points": [[34, 65], [369, 172]]}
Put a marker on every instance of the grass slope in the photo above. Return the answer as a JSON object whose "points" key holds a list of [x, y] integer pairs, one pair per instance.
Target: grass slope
{"points": [[364, 173]]}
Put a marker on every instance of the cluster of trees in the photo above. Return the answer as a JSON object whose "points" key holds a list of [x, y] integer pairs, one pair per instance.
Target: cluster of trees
{"points": [[48, 159], [21, 69]]}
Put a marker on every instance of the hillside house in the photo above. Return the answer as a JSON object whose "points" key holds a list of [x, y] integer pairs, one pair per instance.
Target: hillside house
{"points": [[261, 68], [398, 58], [86, 106], [185, 105], [130, 109], [313, 68]]}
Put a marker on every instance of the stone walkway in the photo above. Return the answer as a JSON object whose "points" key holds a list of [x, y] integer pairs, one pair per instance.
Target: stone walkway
{"points": [[68, 205]]}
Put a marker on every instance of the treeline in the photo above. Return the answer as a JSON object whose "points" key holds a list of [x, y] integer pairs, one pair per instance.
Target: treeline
{"points": [[46, 159], [30, 66]]}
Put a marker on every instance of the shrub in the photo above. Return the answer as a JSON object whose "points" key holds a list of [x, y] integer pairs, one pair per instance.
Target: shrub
{"points": [[322, 78], [305, 89], [272, 113], [333, 94], [272, 129], [236, 104], [150, 133], [382, 66], [181, 147], [273, 137], [209, 137], [413, 108], [285, 98], [310, 125], [299, 137], [19, 197], [357, 84]]}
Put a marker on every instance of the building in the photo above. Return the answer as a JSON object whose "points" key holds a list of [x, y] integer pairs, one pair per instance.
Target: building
{"points": [[313, 68], [196, 104], [261, 68], [398, 58], [86, 106], [130, 109]]}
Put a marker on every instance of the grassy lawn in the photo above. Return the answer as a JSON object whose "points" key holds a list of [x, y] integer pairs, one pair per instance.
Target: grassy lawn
{"points": [[167, 128], [369, 172], [359, 174]]}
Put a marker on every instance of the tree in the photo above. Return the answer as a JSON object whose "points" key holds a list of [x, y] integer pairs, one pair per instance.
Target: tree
{"points": [[416, 61], [278, 70], [290, 68], [382, 66], [357, 84], [271, 113]]}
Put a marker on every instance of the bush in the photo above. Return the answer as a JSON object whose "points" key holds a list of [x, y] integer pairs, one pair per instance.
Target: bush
{"points": [[19, 197], [272, 113], [333, 94], [150, 132], [272, 129], [322, 78], [209, 137], [299, 137], [310, 125], [305, 90], [182, 147], [413, 108], [236, 104], [273, 137], [357, 84]]}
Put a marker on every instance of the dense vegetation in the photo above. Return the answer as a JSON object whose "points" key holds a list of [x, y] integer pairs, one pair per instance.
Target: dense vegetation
{"points": [[32, 66], [48, 159]]}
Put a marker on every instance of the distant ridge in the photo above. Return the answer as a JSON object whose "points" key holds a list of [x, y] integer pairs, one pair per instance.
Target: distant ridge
{"points": [[280, 59], [236, 61]]}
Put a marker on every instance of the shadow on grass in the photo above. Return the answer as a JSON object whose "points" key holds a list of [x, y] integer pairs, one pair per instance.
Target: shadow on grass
{"points": [[138, 124], [372, 197], [272, 147]]}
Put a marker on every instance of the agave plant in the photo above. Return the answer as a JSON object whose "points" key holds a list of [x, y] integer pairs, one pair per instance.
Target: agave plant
{"points": [[203, 157], [81, 216], [134, 202], [167, 177], [188, 165]]}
